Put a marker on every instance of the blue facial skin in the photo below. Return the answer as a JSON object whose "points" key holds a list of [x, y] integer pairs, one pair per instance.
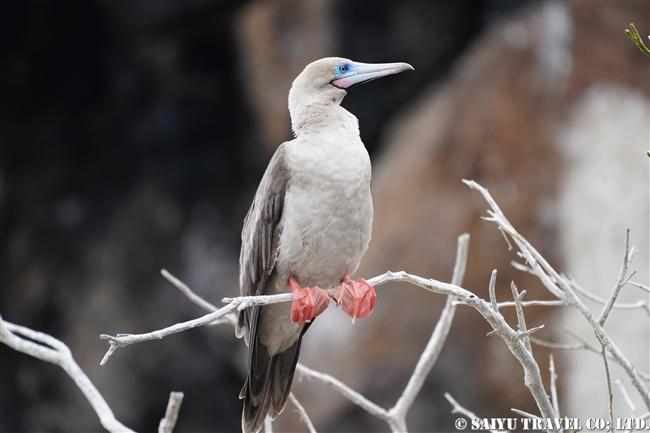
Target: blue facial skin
{"points": [[343, 69]]}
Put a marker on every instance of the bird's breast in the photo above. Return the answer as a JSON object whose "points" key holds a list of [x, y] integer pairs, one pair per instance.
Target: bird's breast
{"points": [[327, 216]]}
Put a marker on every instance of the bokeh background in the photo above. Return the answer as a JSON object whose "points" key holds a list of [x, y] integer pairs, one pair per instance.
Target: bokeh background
{"points": [[134, 134]]}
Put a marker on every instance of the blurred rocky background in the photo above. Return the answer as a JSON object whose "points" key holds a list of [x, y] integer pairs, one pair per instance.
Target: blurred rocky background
{"points": [[134, 135]]}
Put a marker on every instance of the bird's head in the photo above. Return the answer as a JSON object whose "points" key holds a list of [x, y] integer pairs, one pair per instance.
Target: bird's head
{"points": [[326, 81]]}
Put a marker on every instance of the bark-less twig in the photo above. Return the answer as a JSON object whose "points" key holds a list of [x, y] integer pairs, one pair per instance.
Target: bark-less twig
{"points": [[303, 413], [171, 414], [583, 345], [457, 408], [551, 369]]}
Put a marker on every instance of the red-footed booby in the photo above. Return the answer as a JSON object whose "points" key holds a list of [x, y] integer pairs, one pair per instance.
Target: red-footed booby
{"points": [[306, 231]]}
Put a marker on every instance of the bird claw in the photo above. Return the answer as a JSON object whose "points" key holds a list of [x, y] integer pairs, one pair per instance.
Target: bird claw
{"points": [[356, 298], [307, 302]]}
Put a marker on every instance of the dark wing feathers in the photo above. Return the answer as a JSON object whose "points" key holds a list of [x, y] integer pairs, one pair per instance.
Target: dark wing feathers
{"points": [[269, 381], [260, 236]]}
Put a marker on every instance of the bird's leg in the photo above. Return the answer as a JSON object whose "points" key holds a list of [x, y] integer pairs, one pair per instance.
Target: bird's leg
{"points": [[307, 302], [356, 298]]}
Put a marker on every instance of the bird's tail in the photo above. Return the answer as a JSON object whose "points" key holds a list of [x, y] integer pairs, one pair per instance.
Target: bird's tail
{"points": [[267, 389]]}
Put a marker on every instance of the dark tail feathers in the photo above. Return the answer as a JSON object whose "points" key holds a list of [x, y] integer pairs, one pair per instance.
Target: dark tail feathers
{"points": [[267, 389]]}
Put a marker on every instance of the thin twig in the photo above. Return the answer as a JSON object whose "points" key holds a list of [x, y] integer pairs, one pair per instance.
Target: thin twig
{"points": [[303, 414], [492, 290], [640, 286], [641, 303], [239, 303], [620, 281], [585, 345], [626, 397], [526, 414], [559, 346], [554, 400], [623, 306], [457, 408], [434, 346], [230, 318], [536, 303], [56, 352], [171, 414], [122, 340], [345, 390], [609, 381], [187, 291], [521, 321], [525, 335]]}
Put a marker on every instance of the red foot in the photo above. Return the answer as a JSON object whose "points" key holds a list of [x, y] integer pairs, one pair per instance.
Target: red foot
{"points": [[307, 302], [356, 298]]}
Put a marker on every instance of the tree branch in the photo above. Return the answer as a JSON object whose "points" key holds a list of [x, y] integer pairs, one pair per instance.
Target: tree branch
{"points": [[303, 414], [561, 288], [457, 408], [171, 414], [434, 346], [620, 281], [59, 354]]}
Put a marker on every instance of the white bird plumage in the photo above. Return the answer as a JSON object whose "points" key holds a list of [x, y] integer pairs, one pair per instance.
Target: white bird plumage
{"points": [[311, 220]]}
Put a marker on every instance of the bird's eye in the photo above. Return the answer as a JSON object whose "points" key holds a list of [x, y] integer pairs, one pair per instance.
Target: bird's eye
{"points": [[343, 68]]}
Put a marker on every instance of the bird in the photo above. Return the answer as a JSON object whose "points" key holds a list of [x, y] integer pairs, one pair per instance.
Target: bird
{"points": [[306, 231]]}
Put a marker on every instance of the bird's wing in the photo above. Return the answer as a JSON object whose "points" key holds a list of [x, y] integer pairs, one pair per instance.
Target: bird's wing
{"points": [[260, 237]]}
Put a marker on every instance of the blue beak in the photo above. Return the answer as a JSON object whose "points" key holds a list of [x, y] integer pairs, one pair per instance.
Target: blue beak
{"points": [[350, 74]]}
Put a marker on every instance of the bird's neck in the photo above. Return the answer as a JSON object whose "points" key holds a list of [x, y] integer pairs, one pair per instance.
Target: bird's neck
{"points": [[319, 117]]}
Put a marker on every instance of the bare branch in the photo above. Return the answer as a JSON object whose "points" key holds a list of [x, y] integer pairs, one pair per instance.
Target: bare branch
{"points": [[585, 345], [521, 321], [526, 414], [492, 290], [59, 354], [434, 346], [457, 408], [532, 376], [620, 281], [609, 381], [171, 414], [303, 414], [462, 250], [539, 303], [551, 368], [522, 268], [557, 345], [230, 318], [640, 286], [187, 291], [239, 303], [345, 390], [122, 340], [641, 303], [268, 425], [561, 288], [511, 337], [525, 335], [626, 398]]}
